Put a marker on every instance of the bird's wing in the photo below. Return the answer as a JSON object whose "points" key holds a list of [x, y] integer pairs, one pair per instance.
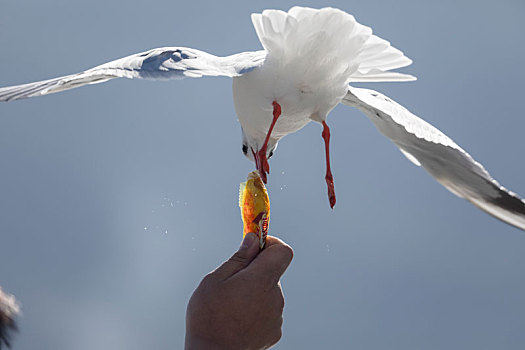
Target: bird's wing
{"points": [[162, 63], [426, 146]]}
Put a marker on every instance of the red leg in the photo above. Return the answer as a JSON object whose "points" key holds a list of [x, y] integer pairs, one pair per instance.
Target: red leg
{"points": [[329, 178], [261, 162]]}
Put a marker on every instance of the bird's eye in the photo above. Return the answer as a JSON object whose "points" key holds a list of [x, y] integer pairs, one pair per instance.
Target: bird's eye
{"points": [[244, 149], [270, 154]]}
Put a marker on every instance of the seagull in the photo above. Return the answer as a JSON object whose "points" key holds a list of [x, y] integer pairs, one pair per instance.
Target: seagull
{"points": [[309, 59]]}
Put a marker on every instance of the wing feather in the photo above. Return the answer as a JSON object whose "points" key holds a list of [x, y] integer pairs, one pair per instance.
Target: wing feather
{"points": [[161, 64], [439, 155]]}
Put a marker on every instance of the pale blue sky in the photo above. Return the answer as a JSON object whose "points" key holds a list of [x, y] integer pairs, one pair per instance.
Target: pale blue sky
{"points": [[116, 199]]}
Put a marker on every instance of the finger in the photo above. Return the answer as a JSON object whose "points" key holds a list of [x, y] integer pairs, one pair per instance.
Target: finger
{"points": [[273, 260], [271, 240], [276, 254], [241, 259], [275, 334], [277, 301]]}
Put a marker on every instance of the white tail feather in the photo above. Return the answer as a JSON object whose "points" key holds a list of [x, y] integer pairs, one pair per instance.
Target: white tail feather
{"points": [[341, 47]]}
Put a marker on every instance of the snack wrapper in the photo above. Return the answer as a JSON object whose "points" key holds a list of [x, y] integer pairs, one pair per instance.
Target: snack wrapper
{"points": [[255, 207]]}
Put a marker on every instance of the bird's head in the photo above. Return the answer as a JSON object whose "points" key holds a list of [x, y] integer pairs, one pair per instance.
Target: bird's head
{"points": [[250, 146]]}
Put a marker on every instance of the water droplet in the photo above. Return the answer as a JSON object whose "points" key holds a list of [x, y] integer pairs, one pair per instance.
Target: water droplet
{"points": [[145, 228], [282, 172], [166, 232]]}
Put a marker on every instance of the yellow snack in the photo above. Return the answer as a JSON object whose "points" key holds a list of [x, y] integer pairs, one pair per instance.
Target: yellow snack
{"points": [[255, 207]]}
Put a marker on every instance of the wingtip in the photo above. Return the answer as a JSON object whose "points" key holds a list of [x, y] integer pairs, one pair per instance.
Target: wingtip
{"points": [[499, 210]]}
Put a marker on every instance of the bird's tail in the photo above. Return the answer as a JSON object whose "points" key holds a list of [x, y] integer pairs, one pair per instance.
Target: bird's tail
{"points": [[333, 40]]}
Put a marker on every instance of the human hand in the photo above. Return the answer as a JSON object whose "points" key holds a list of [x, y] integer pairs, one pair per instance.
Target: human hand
{"points": [[240, 304]]}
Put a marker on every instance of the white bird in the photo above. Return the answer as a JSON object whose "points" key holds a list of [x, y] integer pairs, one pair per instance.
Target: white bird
{"points": [[309, 59]]}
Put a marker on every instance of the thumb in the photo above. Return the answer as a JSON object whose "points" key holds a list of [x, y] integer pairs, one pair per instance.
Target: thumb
{"points": [[241, 259]]}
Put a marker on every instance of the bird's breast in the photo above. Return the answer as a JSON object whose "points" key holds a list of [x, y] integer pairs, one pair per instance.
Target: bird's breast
{"points": [[254, 93]]}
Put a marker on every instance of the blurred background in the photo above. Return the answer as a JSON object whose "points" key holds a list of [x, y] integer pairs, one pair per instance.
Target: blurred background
{"points": [[116, 199]]}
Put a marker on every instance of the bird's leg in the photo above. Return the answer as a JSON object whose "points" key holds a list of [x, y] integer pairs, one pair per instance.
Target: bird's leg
{"points": [[261, 162], [329, 178]]}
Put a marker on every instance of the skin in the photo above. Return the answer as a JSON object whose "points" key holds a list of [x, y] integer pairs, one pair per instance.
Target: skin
{"points": [[240, 304]]}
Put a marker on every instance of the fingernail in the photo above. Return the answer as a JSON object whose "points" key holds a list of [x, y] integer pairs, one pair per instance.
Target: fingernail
{"points": [[248, 240]]}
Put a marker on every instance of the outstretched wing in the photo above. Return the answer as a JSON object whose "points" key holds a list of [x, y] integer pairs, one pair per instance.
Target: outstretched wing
{"points": [[162, 63], [426, 146]]}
